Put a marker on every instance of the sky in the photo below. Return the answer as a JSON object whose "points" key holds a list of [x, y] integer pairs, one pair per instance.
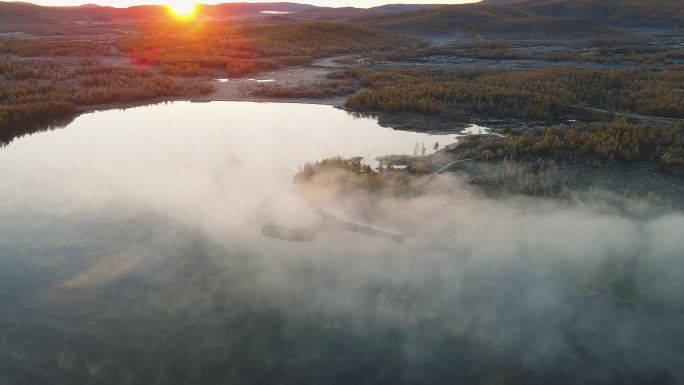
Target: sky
{"points": [[328, 3]]}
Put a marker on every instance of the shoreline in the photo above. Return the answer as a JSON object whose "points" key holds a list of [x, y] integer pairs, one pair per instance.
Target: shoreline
{"points": [[230, 90], [233, 90], [337, 102]]}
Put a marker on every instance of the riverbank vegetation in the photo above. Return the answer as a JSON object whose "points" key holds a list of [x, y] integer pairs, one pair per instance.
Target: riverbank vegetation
{"points": [[594, 143], [43, 77], [350, 176], [34, 92], [318, 90]]}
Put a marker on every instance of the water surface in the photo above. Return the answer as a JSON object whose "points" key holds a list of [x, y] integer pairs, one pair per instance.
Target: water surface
{"points": [[131, 252]]}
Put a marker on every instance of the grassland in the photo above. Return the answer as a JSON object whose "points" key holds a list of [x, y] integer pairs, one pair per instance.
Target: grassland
{"points": [[620, 13], [566, 19], [230, 50], [601, 51], [489, 20]]}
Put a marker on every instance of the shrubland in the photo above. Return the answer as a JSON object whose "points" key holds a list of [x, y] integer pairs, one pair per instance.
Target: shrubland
{"points": [[322, 89], [235, 49], [34, 92], [350, 177], [599, 51], [542, 94], [42, 47], [595, 143]]}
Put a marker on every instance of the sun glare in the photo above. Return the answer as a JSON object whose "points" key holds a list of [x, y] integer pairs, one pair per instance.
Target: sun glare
{"points": [[183, 10]]}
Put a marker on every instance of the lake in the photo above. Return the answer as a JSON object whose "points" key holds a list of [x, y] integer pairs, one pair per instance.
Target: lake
{"points": [[131, 252]]}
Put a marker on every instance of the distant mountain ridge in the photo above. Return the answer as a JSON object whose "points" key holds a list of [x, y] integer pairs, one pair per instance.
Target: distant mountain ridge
{"points": [[19, 12], [538, 18], [570, 18], [617, 13], [487, 19]]}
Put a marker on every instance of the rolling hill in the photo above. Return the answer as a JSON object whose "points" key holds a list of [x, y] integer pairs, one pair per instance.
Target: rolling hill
{"points": [[21, 12], [487, 19], [537, 18], [617, 13]]}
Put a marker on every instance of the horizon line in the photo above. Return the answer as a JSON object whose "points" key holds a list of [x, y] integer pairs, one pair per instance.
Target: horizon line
{"points": [[95, 3]]}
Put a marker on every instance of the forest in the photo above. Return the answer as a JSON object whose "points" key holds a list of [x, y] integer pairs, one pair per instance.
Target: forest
{"points": [[62, 69], [595, 143], [34, 92], [35, 89], [540, 94]]}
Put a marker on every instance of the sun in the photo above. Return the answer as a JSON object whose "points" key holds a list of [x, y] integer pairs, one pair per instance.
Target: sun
{"points": [[183, 10]]}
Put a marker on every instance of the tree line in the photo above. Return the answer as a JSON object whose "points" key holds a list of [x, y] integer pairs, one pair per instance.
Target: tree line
{"points": [[34, 92], [543, 94], [619, 140]]}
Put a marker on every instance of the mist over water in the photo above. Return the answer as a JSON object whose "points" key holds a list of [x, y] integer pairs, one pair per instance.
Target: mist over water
{"points": [[132, 253]]}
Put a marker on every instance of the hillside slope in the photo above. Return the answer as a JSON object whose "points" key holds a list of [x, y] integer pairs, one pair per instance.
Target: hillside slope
{"points": [[618, 13], [487, 20], [20, 12]]}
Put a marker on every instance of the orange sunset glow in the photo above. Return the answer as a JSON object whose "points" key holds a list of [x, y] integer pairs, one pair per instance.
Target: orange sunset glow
{"points": [[182, 10]]}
